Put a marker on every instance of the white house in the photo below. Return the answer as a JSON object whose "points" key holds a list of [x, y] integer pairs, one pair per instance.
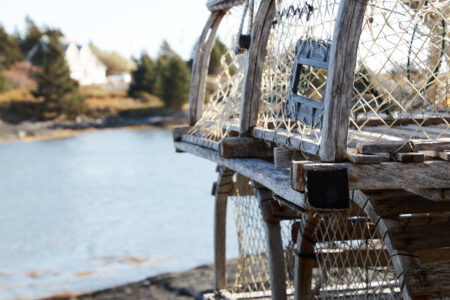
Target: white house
{"points": [[84, 65]]}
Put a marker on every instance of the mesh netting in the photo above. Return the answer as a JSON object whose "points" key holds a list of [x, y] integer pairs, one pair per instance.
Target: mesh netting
{"points": [[296, 22], [252, 277], [222, 110], [402, 79], [353, 261]]}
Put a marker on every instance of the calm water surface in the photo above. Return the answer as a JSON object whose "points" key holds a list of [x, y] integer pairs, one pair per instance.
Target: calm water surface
{"points": [[101, 209]]}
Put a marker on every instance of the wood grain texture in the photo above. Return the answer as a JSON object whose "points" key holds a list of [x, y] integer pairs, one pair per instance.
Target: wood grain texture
{"points": [[340, 79], [283, 156], [240, 147], [214, 5], [265, 173], [251, 92], [421, 237], [432, 194], [225, 186], [304, 265], [385, 175], [178, 131], [383, 147], [277, 271], [200, 66], [428, 279]]}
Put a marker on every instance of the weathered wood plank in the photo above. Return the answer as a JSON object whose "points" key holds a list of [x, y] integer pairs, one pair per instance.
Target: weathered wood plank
{"points": [[383, 147], [385, 175], [413, 238], [277, 271], [283, 156], [280, 137], [225, 186], [178, 131], [305, 258], [366, 158], [340, 79], [409, 157], [254, 66], [200, 141], [432, 194], [277, 180], [241, 147], [214, 5], [428, 279], [200, 66], [441, 144]]}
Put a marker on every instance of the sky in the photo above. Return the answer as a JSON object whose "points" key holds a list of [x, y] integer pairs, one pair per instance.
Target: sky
{"points": [[128, 27]]}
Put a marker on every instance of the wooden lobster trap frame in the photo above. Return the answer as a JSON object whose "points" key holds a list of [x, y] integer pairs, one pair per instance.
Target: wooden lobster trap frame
{"points": [[364, 172]]}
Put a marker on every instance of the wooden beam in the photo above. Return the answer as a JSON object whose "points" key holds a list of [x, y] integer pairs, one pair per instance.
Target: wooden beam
{"points": [[428, 279], [242, 147], [383, 147], [339, 87], [409, 157], [200, 66], [305, 259], [214, 5], [251, 90], [385, 175], [366, 158], [432, 194], [225, 186], [265, 173], [274, 240], [409, 205], [178, 131], [413, 238], [283, 156], [441, 144]]}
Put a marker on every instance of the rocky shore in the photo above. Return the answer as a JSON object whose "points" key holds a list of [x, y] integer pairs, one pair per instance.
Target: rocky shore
{"points": [[27, 130], [181, 286]]}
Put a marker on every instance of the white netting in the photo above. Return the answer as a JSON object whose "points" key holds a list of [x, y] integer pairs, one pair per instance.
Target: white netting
{"points": [[252, 277], [295, 21], [352, 259], [222, 109], [402, 80]]}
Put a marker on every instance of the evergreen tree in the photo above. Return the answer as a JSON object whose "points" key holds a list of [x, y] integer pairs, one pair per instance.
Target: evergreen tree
{"points": [[32, 36], [144, 77], [9, 49], [217, 51], [3, 82], [59, 91], [175, 83]]}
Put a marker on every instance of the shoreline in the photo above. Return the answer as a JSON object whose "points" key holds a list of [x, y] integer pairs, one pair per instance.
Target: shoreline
{"points": [[191, 284], [27, 131]]}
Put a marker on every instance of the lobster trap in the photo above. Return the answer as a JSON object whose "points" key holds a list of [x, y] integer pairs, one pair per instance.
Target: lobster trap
{"points": [[336, 116]]}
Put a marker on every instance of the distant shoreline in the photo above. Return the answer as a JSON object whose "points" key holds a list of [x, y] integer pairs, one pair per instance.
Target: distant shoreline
{"points": [[58, 129]]}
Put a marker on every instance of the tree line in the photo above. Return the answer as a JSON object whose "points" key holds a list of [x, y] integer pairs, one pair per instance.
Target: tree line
{"points": [[167, 76]]}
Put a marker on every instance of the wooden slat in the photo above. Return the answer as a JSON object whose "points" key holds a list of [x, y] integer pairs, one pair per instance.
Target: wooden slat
{"points": [[283, 156], [178, 131], [280, 137], [225, 186], [409, 157], [278, 180], [385, 175], [383, 147], [254, 66], [409, 205], [428, 279], [432, 194], [366, 158], [200, 141], [274, 241], [241, 147], [412, 238], [200, 66], [340, 79], [442, 144], [214, 5]]}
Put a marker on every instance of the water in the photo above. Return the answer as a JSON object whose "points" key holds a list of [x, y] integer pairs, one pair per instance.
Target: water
{"points": [[100, 209]]}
